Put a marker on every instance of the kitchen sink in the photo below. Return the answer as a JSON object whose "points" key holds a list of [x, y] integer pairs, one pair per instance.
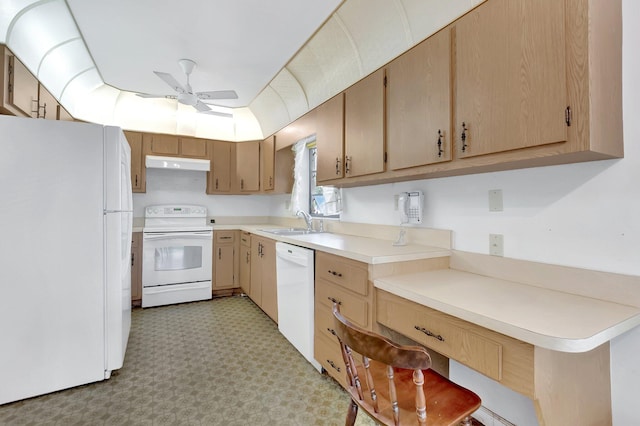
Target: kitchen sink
{"points": [[288, 231]]}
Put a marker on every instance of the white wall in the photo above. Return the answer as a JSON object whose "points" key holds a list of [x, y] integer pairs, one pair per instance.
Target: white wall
{"points": [[584, 215]]}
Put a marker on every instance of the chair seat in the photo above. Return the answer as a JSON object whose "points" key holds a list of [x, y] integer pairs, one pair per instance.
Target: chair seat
{"points": [[447, 402]]}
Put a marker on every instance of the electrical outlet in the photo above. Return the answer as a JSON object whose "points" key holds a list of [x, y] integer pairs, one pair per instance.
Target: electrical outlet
{"points": [[496, 244], [495, 200]]}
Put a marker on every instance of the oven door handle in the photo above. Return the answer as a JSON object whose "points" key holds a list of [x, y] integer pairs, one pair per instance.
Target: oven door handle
{"points": [[204, 235]]}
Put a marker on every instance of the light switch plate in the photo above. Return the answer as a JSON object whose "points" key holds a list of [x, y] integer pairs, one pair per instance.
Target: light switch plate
{"points": [[495, 200]]}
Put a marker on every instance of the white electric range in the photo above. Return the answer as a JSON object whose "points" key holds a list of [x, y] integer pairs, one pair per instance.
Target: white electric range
{"points": [[177, 250]]}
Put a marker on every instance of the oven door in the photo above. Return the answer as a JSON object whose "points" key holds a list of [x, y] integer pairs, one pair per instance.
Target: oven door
{"points": [[176, 257]]}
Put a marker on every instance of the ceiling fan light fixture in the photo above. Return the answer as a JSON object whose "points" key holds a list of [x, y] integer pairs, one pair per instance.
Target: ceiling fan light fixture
{"points": [[187, 99]]}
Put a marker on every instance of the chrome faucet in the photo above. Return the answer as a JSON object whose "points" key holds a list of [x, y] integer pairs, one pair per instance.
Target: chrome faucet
{"points": [[307, 219]]}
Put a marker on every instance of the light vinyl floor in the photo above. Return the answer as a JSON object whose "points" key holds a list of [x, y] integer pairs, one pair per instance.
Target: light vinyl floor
{"points": [[217, 362]]}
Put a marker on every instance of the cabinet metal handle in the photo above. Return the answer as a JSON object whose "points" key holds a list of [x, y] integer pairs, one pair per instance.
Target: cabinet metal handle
{"points": [[347, 165], [440, 136], [225, 238], [136, 180], [429, 333], [464, 137], [216, 183], [337, 274], [334, 300], [335, 367], [133, 257], [241, 183], [247, 257], [270, 180], [219, 253], [337, 165]]}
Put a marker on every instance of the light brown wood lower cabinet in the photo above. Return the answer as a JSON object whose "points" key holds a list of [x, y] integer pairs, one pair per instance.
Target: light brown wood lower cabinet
{"points": [[225, 260], [245, 262], [566, 388], [136, 269], [263, 289], [343, 281]]}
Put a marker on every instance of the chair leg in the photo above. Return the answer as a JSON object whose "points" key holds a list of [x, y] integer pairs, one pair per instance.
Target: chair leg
{"points": [[466, 421], [351, 414]]}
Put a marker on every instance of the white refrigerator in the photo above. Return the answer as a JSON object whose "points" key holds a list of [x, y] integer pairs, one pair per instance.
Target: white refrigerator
{"points": [[65, 250]]}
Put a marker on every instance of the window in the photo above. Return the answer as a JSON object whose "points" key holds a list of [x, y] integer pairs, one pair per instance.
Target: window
{"points": [[324, 201]]}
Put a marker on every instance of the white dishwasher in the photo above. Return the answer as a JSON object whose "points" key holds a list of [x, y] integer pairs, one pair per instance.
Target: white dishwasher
{"points": [[295, 292]]}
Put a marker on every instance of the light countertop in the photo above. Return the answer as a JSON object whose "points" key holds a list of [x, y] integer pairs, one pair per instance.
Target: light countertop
{"points": [[363, 249], [542, 317]]}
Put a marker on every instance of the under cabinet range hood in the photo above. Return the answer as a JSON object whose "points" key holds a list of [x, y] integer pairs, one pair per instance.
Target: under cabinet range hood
{"points": [[177, 163]]}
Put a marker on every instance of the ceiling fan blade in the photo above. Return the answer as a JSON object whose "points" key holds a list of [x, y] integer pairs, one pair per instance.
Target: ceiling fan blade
{"points": [[148, 96], [218, 113], [202, 107], [217, 94], [171, 81]]}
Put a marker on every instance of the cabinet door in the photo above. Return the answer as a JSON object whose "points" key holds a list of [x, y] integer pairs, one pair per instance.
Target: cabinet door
{"points": [[419, 104], [255, 292], [248, 166], [269, 285], [364, 126], [267, 161], [164, 145], [23, 94], [137, 166], [47, 104], [220, 174], [136, 268], [63, 114], [193, 148], [511, 76], [224, 276], [245, 268], [330, 139]]}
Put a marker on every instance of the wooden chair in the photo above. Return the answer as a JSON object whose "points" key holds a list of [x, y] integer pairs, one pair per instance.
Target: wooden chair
{"points": [[406, 369]]}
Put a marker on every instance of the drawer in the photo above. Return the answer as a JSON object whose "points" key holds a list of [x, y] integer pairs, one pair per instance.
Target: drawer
{"points": [[324, 321], [352, 306], [345, 272], [225, 236], [327, 352], [245, 239], [502, 358]]}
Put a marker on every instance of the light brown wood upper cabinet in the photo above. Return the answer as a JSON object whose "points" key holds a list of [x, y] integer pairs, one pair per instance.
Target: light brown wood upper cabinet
{"points": [[219, 181], [330, 139], [267, 163], [158, 144], [175, 146], [248, 166], [419, 104], [364, 126], [511, 76], [138, 169], [193, 148], [47, 104], [20, 88]]}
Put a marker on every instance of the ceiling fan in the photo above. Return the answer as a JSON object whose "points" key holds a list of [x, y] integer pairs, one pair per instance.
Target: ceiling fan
{"points": [[186, 95]]}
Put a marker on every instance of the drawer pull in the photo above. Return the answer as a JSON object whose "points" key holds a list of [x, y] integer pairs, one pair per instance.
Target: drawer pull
{"points": [[338, 274], [429, 333], [335, 367], [334, 300], [331, 330], [225, 238]]}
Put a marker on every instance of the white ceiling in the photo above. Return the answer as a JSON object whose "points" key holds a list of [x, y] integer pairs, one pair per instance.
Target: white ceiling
{"points": [[239, 45], [282, 57]]}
